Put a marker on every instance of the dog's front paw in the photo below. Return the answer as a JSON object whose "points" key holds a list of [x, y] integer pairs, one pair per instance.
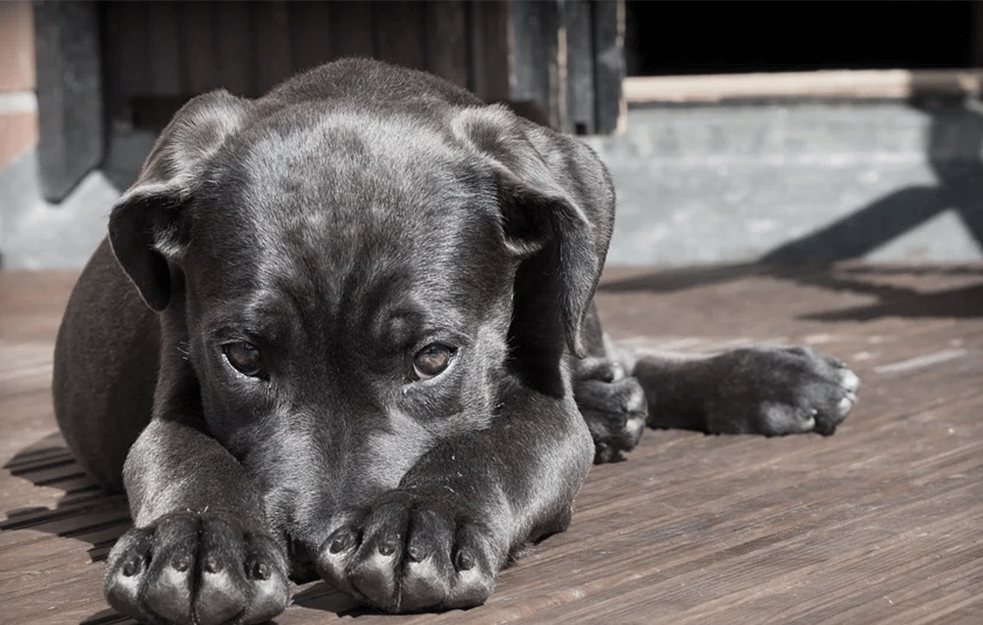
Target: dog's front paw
{"points": [[779, 390], [409, 552], [197, 568], [613, 405]]}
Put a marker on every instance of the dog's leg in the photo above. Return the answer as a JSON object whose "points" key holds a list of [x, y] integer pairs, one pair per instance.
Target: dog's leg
{"points": [[613, 405], [465, 507], [200, 551], [759, 390], [611, 401]]}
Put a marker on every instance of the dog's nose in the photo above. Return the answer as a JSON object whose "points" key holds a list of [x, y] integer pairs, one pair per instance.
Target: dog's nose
{"points": [[303, 560]]}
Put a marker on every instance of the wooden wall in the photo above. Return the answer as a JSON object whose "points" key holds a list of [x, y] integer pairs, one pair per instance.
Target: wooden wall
{"points": [[105, 67], [159, 53], [162, 51]]}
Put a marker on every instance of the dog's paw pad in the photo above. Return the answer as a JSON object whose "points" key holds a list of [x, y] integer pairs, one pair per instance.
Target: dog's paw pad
{"points": [[201, 568], [409, 553]]}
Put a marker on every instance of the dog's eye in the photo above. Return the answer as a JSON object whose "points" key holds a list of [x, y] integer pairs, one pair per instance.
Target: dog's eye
{"points": [[244, 358], [432, 360]]}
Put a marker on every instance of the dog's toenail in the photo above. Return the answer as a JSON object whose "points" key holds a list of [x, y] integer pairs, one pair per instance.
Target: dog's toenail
{"points": [[261, 570], [342, 542], [132, 567], [212, 565], [182, 564], [387, 547], [464, 560], [416, 553]]}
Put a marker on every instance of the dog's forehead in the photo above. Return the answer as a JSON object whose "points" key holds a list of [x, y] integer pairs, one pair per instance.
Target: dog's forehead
{"points": [[350, 202], [347, 172], [339, 160]]}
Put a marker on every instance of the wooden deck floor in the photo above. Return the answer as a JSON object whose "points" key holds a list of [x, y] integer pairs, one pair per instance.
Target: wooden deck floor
{"points": [[881, 523]]}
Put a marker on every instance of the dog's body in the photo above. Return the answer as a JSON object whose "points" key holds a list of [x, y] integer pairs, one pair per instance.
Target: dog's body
{"points": [[347, 329]]}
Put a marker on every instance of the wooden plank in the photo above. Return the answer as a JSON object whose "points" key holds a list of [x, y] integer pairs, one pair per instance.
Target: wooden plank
{"points": [[399, 32], [877, 524], [200, 53], [310, 34], [832, 84], [164, 55], [235, 48], [274, 64], [492, 66], [69, 88], [353, 29], [446, 44], [126, 57], [579, 41], [113, 98], [609, 65], [535, 75]]}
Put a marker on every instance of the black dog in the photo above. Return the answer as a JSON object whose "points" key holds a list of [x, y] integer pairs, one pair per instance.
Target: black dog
{"points": [[347, 330]]}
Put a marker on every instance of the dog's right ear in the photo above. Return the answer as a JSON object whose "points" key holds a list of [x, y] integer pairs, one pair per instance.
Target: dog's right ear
{"points": [[556, 205], [148, 225]]}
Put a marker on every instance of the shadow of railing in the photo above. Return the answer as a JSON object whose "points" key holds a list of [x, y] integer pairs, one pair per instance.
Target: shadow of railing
{"points": [[85, 512], [955, 154], [889, 285]]}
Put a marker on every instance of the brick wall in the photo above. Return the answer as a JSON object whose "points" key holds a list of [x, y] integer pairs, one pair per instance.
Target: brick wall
{"points": [[18, 104]]}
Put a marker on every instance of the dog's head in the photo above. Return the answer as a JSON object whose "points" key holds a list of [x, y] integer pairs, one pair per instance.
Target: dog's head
{"points": [[347, 284]]}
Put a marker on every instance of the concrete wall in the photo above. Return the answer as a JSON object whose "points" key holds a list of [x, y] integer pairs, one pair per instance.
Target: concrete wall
{"points": [[886, 181]]}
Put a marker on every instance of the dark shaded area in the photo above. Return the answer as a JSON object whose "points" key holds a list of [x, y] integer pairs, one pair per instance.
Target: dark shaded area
{"points": [[961, 302], [894, 300], [673, 38], [108, 617], [84, 513], [321, 596], [680, 278]]}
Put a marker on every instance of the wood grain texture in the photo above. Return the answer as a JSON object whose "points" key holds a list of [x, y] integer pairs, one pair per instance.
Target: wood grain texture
{"points": [[353, 29], [609, 65], [398, 31], [200, 47], [235, 47], [878, 524], [577, 16], [271, 21], [310, 34], [163, 48], [445, 43]]}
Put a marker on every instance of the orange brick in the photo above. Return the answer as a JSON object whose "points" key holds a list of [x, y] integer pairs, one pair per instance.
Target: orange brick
{"points": [[16, 46], [18, 131]]}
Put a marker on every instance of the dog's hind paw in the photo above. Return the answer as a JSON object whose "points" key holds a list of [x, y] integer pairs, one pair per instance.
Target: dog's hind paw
{"points": [[409, 553], [613, 405], [197, 568], [764, 390]]}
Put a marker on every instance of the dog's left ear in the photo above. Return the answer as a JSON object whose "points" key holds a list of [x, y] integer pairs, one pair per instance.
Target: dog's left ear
{"points": [[557, 213], [147, 226]]}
